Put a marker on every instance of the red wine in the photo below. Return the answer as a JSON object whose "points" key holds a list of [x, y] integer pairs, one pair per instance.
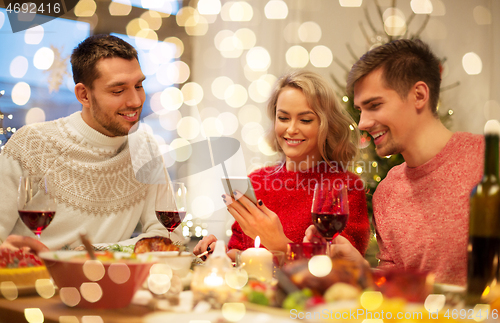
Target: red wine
{"points": [[36, 221], [170, 219], [329, 225]]}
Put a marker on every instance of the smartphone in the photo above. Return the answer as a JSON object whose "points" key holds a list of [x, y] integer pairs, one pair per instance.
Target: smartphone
{"points": [[240, 184]]}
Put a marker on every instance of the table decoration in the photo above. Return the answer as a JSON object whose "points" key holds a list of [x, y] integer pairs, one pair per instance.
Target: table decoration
{"points": [[258, 262]]}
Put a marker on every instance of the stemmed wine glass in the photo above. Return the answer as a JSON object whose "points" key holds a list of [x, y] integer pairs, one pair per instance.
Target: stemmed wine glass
{"points": [[330, 209], [171, 204], [35, 204]]}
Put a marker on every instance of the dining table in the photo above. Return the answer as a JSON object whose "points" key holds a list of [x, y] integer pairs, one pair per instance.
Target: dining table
{"points": [[55, 311]]}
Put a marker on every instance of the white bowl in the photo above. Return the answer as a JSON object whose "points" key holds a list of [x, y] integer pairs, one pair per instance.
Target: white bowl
{"points": [[180, 264]]}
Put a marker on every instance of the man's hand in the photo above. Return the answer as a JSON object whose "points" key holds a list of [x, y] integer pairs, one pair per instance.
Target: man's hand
{"points": [[15, 242]]}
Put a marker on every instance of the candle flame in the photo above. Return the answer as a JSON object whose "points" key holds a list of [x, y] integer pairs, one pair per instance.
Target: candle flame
{"points": [[257, 242]]}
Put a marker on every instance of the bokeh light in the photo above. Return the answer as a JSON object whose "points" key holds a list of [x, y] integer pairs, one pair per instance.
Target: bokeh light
{"points": [[320, 265], [252, 132], [153, 19], [179, 45], [482, 15], [309, 32], [188, 128], [246, 37], [93, 270], [146, 39], [233, 312], [276, 9], [297, 56], [236, 11], [171, 98], [35, 115], [321, 56], [202, 207], [9, 290], [423, 7], [264, 147], [260, 90], [438, 8], [85, 8], [34, 35], [119, 273], [45, 288], [180, 149], [472, 63], [187, 16], [196, 26], [70, 296], [120, 8], [33, 315], [351, 3], [44, 58], [209, 7], [249, 113], [212, 127], [229, 122], [371, 300], [135, 25], [394, 22], [192, 93], [220, 85], [236, 96], [91, 292], [258, 59], [236, 278], [21, 93], [18, 67], [434, 302]]}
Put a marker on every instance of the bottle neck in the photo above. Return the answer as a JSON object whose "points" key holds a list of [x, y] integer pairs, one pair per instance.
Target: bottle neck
{"points": [[491, 157]]}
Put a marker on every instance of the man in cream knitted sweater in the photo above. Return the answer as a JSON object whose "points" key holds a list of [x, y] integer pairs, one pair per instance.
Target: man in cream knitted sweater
{"points": [[86, 157]]}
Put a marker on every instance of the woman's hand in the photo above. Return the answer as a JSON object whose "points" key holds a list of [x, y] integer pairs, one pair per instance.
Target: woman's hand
{"points": [[257, 220], [206, 244], [15, 242], [339, 248]]}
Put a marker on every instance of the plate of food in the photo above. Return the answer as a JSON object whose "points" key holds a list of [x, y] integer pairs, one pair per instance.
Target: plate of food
{"points": [[19, 272]]}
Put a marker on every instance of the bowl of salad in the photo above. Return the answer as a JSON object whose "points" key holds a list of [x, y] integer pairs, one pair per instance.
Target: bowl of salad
{"points": [[109, 281]]}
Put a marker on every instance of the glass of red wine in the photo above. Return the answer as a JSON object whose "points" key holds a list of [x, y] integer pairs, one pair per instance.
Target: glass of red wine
{"points": [[330, 209], [35, 204], [171, 204]]}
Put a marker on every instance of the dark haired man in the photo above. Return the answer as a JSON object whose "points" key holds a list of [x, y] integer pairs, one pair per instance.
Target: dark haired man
{"points": [[421, 207], [86, 156]]}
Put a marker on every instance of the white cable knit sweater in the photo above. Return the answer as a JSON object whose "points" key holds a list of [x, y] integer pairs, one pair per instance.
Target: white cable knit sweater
{"points": [[93, 177]]}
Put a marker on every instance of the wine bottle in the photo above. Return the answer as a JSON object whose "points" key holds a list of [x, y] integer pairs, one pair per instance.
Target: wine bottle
{"points": [[483, 250]]}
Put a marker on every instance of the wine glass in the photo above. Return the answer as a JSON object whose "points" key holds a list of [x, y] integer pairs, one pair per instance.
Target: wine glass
{"points": [[330, 209], [35, 204], [171, 204]]}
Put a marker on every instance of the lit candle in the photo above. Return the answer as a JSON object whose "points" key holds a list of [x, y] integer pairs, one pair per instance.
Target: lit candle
{"points": [[258, 262]]}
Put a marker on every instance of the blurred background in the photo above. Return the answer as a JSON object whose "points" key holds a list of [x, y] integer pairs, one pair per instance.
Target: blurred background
{"points": [[210, 65]]}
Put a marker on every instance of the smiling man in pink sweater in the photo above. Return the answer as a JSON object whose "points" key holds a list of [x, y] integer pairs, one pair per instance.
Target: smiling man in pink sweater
{"points": [[421, 209]]}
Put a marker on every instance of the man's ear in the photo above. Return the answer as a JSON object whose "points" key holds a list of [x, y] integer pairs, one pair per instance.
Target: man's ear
{"points": [[82, 95], [421, 95]]}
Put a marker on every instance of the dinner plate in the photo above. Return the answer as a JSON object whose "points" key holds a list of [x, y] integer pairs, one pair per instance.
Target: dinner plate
{"points": [[212, 317]]}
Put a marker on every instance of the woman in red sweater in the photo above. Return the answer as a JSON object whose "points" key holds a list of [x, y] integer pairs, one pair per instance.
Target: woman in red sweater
{"points": [[313, 133]]}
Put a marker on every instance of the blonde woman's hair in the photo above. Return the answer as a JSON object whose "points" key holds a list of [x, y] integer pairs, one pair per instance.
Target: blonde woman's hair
{"points": [[338, 135]]}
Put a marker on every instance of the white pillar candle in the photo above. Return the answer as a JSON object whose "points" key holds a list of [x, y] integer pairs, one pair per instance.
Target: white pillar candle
{"points": [[258, 262]]}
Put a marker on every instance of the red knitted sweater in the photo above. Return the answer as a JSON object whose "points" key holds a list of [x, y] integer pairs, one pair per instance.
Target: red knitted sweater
{"points": [[289, 194]]}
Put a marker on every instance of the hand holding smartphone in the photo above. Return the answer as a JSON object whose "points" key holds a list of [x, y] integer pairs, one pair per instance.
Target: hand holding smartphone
{"points": [[240, 184]]}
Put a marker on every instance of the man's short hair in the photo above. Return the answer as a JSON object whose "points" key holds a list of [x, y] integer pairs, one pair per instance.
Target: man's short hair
{"points": [[86, 55], [404, 62]]}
